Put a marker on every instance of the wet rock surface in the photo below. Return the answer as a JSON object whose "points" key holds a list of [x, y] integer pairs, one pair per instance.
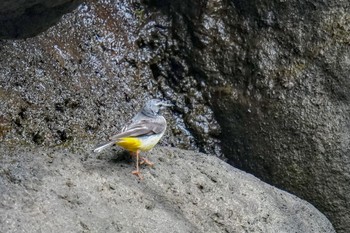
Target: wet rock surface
{"points": [[263, 82], [88, 75], [59, 191], [276, 76]]}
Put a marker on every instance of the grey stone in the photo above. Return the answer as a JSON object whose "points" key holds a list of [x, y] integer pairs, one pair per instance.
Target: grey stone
{"points": [[84, 78], [263, 82], [276, 76], [46, 190]]}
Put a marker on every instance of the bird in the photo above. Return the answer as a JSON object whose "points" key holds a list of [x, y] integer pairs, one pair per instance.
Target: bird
{"points": [[142, 133]]}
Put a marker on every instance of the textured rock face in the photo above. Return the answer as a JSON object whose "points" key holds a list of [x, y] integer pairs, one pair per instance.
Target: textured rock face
{"points": [[267, 79], [276, 74], [88, 75], [58, 191], [22, 19]]}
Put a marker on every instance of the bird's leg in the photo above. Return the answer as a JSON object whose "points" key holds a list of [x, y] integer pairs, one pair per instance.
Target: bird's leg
{"points": [[146, 161], [137, 172]]}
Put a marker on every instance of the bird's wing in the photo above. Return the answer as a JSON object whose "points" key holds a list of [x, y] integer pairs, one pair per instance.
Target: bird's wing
{"points": [[142, 128], [131, 122]]}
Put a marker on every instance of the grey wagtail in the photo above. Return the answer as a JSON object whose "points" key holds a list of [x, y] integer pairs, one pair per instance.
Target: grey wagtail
{"points": [[142, 133]]}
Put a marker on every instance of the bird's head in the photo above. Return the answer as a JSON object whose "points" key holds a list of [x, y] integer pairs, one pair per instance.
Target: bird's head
{"points": [[152, 107]]}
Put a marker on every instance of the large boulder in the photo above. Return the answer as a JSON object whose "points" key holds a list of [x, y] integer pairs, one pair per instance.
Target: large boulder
{"points": [[276, 75], [45, 190], [87, 76], [263, 82]]}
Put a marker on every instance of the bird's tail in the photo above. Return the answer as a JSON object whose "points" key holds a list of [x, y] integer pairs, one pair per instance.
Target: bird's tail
{"points": [[103, 146]]}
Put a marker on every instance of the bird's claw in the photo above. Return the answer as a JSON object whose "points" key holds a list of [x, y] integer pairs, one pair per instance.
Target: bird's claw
{"points": [[138, 174], [146, 161]]}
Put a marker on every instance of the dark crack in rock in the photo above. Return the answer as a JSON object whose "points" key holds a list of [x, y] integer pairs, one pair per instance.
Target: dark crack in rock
{"points": [[23, 19]]}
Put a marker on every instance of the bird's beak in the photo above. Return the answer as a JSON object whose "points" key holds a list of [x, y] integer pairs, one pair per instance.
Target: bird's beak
{"points": [[165, 104]]}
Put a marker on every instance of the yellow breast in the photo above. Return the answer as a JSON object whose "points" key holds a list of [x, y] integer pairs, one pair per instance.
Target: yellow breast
{"points": [[144, 143], [130, 143]]}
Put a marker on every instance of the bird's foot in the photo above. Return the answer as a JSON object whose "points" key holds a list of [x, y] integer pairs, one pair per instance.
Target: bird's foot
{"points": [[146, 161], [138, 174]]}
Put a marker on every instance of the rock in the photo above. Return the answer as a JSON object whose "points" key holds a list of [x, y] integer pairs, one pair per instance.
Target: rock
{"points": [[22, 19], [263, 82], [84, 78], [276, 76], [61, 191]]}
